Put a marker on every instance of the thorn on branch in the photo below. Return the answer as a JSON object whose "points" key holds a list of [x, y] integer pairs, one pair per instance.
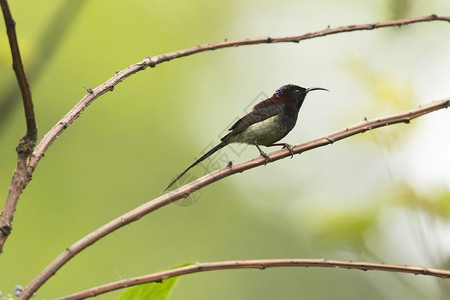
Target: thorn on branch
{"points": [[6, 229], [143, 66], [89, 90], [331, 141], [151, 62], [10, 23], [64, 124]]}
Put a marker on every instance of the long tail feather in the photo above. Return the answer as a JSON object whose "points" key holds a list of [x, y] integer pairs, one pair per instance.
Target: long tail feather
{"points": [[204, 156]]}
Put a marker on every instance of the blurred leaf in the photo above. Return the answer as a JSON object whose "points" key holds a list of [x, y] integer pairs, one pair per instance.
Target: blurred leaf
{"points": [[399, 9], [347, 227], [390, 92], [152, 290], [436, 203]]}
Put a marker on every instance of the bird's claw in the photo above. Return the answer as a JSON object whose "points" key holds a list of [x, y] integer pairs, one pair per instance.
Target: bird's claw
{"points": [[263, 154], [289, 147], [266, 158]]}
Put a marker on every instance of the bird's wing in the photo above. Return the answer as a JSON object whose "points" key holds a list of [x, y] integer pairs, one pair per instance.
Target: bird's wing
{"points": [[260, 112]]}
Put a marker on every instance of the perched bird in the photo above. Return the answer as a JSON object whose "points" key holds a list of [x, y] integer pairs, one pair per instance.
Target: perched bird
{"points": [[268, 122]]}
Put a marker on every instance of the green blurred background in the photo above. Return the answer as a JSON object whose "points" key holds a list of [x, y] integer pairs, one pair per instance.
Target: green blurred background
{"points": [[382, 196]]}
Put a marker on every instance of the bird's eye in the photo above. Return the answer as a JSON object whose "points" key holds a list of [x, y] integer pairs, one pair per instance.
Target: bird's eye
{"points": [[297, 91]]}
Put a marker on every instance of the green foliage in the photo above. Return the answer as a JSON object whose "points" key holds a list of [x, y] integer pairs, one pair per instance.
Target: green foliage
{"points": [[435, 203], [398, 9], [337, 228], [390, 92], [152, 290]]}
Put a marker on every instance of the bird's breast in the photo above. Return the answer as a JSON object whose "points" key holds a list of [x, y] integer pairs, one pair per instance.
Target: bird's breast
{"points": [[266, 132]]}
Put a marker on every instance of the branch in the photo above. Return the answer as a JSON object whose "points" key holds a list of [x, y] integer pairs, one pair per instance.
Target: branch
{"points": [[187, 189], [109, 85], [20, 181], [31, 134], [254, 264], [26, 144], [152, 62], [47, 42]]}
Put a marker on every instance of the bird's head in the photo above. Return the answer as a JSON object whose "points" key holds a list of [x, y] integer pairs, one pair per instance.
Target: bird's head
{"points": [[294, 93]]}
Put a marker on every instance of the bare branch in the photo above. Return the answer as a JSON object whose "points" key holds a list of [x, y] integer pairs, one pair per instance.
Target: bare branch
{"points": [[109, 85], [152, 62], [187, 189], [47, 42], [20, 181], [31, 134], [254, 264], [26, 144]]}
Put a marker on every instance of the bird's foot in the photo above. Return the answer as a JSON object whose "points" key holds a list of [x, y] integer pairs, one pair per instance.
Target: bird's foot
{"points": [[263, 154], [289, 147], [266, 157]]}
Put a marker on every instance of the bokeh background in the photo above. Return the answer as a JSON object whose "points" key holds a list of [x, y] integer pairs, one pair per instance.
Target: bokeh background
{"points": [[382, 196]]}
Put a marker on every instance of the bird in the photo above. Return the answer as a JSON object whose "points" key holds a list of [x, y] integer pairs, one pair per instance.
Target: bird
{"points": [[268, 122]]}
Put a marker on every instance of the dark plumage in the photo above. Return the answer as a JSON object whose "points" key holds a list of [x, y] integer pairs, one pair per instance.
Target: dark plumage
{"points": [[268, 122]]}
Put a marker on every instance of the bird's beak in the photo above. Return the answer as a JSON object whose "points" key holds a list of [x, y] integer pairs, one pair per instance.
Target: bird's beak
{"points": [[315, 89]]}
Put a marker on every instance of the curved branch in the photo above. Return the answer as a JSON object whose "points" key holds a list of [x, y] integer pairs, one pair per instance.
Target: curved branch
{"points": [[152, 62], [109, 85], [254, 264], [17, 186], [189, 188]]}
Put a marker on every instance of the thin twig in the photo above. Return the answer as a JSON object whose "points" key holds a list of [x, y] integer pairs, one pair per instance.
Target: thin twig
{"points": [[254, 264], [187, 189], [152, 62], [47, 42], [26, 144], [21, 77]]}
